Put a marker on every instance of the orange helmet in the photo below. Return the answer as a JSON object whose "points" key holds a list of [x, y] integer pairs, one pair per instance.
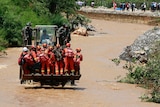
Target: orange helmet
{"points": [[78, 49], [68, 45], [51, 48], [44, 45], [38, 47]]}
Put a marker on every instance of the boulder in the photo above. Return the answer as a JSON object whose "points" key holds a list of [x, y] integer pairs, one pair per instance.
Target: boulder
{"points": [[81, 31]]}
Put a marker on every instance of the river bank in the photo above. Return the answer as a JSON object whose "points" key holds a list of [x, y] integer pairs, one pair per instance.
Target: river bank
{"points": [[140, 17]]}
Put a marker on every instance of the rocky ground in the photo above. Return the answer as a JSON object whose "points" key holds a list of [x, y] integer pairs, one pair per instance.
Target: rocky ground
{"points": [[142, 46]]}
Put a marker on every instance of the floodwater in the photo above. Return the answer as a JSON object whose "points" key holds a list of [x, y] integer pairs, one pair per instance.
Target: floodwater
{"points": [[96, 88]]}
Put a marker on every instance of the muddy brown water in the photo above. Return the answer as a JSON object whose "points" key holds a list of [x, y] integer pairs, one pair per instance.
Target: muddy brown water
{"points": [[97, 86]]}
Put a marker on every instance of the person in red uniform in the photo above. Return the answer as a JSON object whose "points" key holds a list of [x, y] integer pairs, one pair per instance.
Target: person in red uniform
{"points": [[44, 60], [52, 59], [59, 64], [68, 59], [24, 52], [78, 57], [44, 46], [33, 53], [26, 61], [35, 58], [38, 49]]}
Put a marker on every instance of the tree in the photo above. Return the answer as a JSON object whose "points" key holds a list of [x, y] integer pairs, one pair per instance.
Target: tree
{"points": [[68, 7]]}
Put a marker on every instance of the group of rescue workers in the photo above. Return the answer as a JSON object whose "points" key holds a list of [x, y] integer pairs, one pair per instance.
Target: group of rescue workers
{"points": [[45, 59]]}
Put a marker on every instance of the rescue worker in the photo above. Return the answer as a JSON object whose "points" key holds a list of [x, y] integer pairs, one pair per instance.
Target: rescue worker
{"points": [[27, 34], [52, 59], [59, 64], [78, 57], [35, 58], [44, 60], [68, 59], [33, 53], [44, 46], [68, 35], [64, 34], [26, 61], [38, 49], [24, 52]]}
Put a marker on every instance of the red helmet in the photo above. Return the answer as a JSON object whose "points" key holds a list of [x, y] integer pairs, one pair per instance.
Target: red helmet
{"points": [[33, 47], [78, 49], [68, 45]]}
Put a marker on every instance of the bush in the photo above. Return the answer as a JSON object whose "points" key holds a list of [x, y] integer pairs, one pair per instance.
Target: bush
{"points": [[3, 44]]}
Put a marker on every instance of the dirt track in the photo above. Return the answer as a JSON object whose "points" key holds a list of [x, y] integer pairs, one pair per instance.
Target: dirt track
{"points": [[97, 86]]}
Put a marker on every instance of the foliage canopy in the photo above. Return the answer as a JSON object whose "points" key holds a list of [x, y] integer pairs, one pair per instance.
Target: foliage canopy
{"points": [[14, 15]]}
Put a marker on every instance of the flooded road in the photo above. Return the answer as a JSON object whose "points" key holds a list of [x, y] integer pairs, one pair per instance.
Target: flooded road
{"points": [[97, 86]]}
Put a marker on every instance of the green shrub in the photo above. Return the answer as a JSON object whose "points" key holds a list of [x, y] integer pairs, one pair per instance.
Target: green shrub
{"points": [[3, 44]]}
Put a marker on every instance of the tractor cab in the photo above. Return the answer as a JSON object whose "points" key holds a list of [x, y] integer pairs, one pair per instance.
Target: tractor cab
{"points": [[45, 34]]}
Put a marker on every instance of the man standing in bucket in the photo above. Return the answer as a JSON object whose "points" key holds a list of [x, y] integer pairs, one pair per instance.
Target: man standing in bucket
{"points": [[27, 34], [68, 60]]}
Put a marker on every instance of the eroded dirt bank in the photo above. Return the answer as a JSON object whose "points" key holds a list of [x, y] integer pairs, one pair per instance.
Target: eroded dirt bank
{"points": [[127, 18], [96, 88]]}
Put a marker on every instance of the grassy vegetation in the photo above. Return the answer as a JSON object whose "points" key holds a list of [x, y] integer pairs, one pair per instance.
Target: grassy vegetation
{"points": [[13, 18]]}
